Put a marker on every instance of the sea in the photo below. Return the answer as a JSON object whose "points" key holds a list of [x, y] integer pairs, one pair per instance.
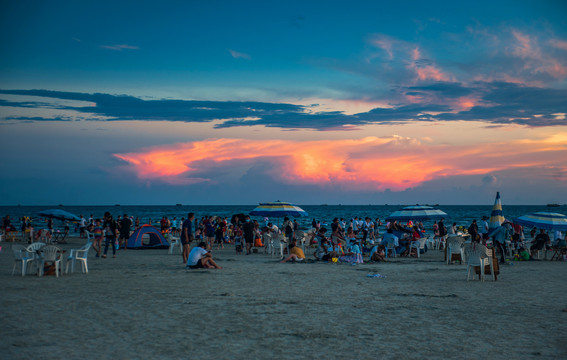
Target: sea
{"points": [[462, 215]]}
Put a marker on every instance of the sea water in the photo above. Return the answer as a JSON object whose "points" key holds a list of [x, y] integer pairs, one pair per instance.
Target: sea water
{"points": [[462, 215]]}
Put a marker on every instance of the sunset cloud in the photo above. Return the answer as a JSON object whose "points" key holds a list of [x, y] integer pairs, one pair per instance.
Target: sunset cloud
{"points": [[370, 163]]}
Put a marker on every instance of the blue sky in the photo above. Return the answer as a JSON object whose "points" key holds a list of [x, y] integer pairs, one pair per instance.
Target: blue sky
{"points": [[139, 102]]}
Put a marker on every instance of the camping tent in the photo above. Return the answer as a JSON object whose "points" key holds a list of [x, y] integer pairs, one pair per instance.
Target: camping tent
{"points": [[147, 237]]}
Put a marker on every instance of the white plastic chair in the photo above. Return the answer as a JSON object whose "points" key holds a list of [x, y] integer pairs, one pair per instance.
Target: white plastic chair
{"points": [[478, 255], [390, 249], [418, 245], [22, 255], [174, 242], [79, 255], [268, 243], [278, 244], [51, 254], [300, 239], [33, 250], [455, 246]]}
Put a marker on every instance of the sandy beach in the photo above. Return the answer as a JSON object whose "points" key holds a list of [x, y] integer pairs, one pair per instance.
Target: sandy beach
{"points": [[145, 305]]}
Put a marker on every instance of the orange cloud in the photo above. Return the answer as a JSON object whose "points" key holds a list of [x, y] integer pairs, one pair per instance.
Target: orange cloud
{"points": [[395, 162]]}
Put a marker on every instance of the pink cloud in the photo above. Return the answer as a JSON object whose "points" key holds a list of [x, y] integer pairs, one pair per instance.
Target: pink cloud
{"points": [[560, 44], [395, 163]]}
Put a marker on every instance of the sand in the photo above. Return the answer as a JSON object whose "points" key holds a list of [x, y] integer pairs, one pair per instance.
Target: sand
{"points": [[145, 305]]}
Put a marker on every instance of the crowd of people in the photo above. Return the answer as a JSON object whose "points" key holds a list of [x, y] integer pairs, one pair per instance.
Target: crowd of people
{"points": [[347, 241]]}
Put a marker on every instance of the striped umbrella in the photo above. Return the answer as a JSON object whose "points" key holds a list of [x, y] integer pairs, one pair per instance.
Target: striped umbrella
{"points": [[496, 217], [416, 213], [543, 220], [278, 209]]}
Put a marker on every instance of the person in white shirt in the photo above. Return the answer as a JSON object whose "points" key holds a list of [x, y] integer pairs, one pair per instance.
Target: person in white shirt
{"points": [[390, 238], [483, 228], [199, 258]]}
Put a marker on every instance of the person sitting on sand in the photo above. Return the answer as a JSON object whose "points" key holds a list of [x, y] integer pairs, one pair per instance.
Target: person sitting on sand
{"points": [[200, 258], [322, 253], [354, 256], [295, 253], [524, 254], [378, 253]]}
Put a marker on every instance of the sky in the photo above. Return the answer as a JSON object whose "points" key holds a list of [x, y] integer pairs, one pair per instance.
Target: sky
{"points": [[312, 102]]}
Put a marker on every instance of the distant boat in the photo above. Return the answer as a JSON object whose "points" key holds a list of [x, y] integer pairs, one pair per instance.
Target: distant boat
{"points": [[178, 205], [553, 205], [116, 204]]}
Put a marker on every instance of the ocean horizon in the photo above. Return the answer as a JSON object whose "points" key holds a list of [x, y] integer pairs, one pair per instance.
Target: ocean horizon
{"points": [[462, 215]]}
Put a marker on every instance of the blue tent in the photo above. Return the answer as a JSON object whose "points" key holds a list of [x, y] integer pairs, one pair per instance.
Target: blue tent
{"points": [[147, 237]]}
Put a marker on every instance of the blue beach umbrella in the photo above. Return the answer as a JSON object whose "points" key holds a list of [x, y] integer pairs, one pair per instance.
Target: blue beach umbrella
{"points": [[278, 209], [59, 214], [417, 213], [543, 220], [496, 217]]}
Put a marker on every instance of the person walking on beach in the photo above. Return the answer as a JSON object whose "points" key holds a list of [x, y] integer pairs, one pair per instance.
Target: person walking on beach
{"points": [[125, 227], [248, 229], [97, 233], [187, 236], [110, 228]]}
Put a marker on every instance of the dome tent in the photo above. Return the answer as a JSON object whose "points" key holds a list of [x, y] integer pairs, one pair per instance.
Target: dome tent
{"points": [[147, 237]]}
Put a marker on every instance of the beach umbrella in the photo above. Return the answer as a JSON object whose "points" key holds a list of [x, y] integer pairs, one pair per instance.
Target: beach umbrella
{"points": [[496, 217], [278, 209], [543, 220], [417, 213], [59, 214]]}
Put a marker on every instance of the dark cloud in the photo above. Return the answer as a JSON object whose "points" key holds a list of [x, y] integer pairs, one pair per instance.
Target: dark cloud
{"points": [[446, 89], [498, 103]]}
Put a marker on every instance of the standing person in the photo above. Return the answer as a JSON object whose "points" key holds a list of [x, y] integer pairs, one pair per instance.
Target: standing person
{"points": [[288, 229], [82, 226], [337, 233], [187, 236], [137, 223], [210, 232], [97, 233], [110, 229], [483, 229], [442, 232], [473, 231], [500, 236], [248, 230], [125, 227], [174, 224]]}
